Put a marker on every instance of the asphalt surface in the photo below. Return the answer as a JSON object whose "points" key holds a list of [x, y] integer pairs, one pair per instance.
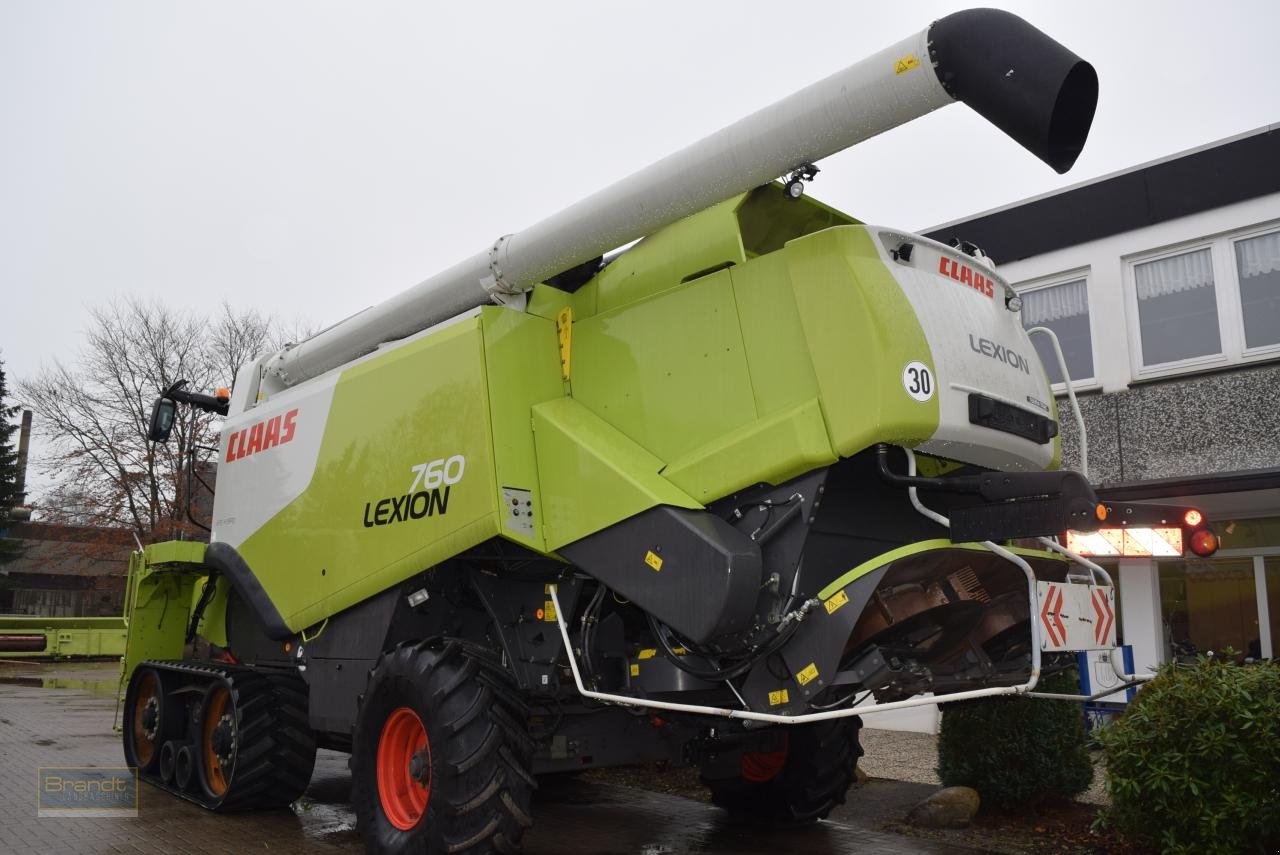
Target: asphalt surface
{"points": [[62, 715]]}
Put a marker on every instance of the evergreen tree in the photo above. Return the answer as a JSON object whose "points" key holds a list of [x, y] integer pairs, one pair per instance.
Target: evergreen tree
{"points": [[10, 496]]}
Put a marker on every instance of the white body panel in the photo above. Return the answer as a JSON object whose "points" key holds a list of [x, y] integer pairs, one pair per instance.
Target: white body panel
{"points": [[958, 332], [256, 486]]}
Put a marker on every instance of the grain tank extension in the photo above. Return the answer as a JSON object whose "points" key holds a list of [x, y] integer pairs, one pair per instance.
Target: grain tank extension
{"points": [[559, 507]]}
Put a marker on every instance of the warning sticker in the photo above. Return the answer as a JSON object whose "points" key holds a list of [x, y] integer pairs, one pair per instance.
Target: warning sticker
{"points": [[647, 653], [778, 698], [549, 611], [808, 675], [653, 560], [836, 602], [905, 64], [635, 670]]}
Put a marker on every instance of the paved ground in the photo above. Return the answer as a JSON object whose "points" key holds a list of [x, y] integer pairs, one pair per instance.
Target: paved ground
{"points": [[62, 715]]}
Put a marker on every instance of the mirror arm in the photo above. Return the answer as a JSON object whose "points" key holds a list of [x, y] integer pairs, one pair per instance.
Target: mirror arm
{"points": [[207, 403]]}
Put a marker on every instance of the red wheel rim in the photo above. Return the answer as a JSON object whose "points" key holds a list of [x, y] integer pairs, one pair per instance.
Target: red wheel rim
{"points": [[404, 798], [761, 766]]}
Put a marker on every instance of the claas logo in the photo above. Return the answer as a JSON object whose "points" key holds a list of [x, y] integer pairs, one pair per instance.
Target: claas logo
{"points": [[265, 434], [966, 275]]}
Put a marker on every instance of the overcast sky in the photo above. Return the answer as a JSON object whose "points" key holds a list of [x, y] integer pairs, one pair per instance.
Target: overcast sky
{"points": [[311, 158]]}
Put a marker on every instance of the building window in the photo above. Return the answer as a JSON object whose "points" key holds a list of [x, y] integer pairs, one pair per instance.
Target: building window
{"points": [[1258, 266], [1064, 308], [1213, 302], [1210, 606], [1177, 308]]}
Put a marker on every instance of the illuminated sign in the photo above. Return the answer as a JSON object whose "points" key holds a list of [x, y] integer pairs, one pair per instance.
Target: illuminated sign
{"points": [[1131, 542]]}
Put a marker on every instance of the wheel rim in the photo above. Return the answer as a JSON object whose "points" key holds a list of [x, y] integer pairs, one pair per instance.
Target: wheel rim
{"points": [[218, 740], [146, 718], [761, 766], [403, 749]]}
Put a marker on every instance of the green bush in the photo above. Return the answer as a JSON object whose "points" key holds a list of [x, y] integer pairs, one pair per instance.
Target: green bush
{"points": [[1015, 751], [1193, 765]]}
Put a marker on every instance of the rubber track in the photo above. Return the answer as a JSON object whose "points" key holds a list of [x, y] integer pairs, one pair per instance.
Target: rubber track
{"points": [[815, 779], [276, 749]]}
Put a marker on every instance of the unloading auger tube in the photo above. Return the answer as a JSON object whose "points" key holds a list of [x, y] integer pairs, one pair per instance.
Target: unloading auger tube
{"points": [[1028, 85]]}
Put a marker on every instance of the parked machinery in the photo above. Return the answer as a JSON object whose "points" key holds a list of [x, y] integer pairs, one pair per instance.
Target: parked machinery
{"points": [[558, 507]]}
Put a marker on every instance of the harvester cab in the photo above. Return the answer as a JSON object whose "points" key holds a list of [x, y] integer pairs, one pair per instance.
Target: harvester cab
{"points": [[765, 465]]}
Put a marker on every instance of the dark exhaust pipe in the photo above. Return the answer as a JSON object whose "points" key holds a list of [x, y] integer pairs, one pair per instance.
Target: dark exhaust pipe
{"points": [[1019, 79]]}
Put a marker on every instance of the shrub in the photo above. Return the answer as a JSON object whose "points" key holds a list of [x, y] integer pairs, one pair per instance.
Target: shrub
{"points": [[1193, 765], [1016, 751]]}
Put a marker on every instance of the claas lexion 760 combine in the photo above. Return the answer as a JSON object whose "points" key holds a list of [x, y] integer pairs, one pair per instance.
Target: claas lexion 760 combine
{"points": [[562, 506]]}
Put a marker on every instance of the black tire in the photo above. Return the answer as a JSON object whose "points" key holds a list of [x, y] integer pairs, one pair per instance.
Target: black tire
{"points": [[813, 778], [477, 752], [275, 749]]}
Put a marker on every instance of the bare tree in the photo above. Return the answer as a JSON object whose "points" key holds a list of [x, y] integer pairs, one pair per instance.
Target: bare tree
{"points": [[94, 413]]}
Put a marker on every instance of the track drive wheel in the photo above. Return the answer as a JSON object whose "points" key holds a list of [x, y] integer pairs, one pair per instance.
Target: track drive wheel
{"points": [[441, 756], [799, 782], [147, 721], [254, 748]]}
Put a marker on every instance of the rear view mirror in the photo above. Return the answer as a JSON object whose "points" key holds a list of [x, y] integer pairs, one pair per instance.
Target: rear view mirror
{"points": [[162, 413]]}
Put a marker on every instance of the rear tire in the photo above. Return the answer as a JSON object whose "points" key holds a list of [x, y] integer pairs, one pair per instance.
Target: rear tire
{"points": [[800, 783], [441, 756]]}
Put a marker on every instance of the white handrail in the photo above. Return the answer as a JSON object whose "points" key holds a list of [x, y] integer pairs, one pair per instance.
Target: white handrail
{"points": [[748, 715], [1071, 395], [1016, 559]]}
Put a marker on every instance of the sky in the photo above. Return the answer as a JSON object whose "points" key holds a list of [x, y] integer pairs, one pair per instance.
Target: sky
{"points": [[312, 158]]}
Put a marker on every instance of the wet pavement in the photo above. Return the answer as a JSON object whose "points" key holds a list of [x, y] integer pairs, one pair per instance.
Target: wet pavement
{"points": [[53, 715]]}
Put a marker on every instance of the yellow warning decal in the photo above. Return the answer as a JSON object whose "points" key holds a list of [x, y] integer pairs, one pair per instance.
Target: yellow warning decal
{"points": [[549, 611], [836, 602], [808, 675], [778, 698], [647, 653], [905, 64], [635, 670], [653, 560], [564, 331]]}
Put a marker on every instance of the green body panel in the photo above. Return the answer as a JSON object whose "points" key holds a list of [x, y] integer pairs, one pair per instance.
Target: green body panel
{"points": [[791, 442], [158, 599], [423, 401], [684, 251], [523, 361], [669, 371], [782, 374], [592, 474], [860, 330]]}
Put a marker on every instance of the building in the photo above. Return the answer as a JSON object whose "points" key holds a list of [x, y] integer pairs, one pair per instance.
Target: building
{"points": [[65, 571], [1163, 284]]}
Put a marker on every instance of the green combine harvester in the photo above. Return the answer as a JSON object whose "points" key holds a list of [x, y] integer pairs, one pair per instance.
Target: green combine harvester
{"points": [[563, 506]]}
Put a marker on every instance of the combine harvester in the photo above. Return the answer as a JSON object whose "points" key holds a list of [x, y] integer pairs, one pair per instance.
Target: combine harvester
{"points": [[560, 507]]}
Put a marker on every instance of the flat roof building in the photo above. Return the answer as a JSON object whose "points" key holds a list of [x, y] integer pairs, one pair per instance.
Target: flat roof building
{"points": [[1162, 283]]}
